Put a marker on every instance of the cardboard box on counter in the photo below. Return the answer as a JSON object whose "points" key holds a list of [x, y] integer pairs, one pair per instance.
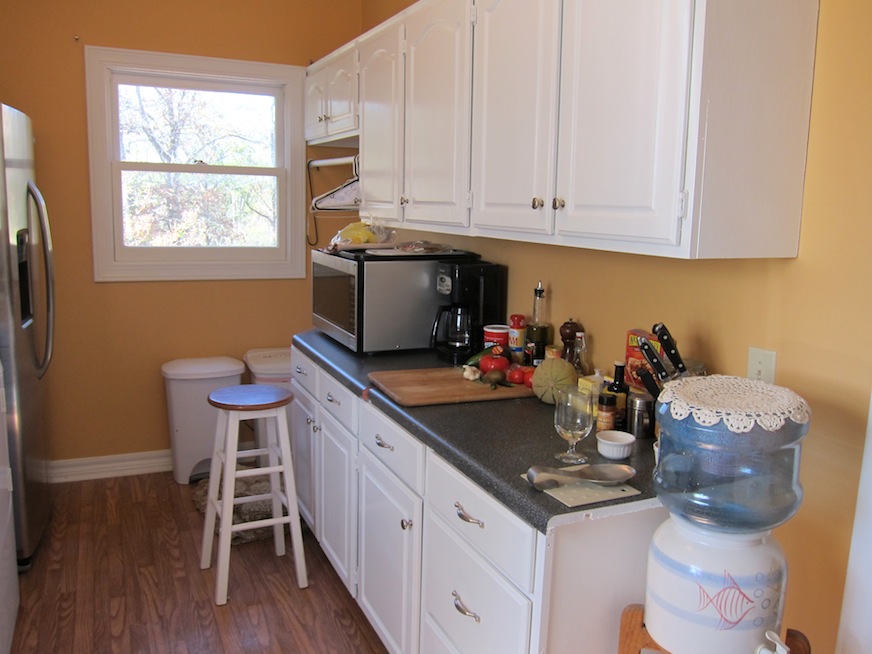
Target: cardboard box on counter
{"points": [[636, 360]]}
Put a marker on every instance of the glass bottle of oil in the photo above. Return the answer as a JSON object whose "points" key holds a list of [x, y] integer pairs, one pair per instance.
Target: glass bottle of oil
{"points": [[538, 329]]}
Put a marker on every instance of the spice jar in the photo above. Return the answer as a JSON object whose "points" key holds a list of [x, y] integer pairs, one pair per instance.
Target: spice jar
{"points": [[607, 410]]}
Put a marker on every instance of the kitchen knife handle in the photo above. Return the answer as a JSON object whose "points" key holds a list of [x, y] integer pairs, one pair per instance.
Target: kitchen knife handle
{"points": [[651, 356], [669, 346], [650, 383]]}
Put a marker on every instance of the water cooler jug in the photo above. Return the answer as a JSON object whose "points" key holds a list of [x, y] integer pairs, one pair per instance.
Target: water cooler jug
{"points": [[728, 473]]}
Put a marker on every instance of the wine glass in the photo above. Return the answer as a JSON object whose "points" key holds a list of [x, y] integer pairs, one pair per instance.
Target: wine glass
{"points": [[573, 420]]}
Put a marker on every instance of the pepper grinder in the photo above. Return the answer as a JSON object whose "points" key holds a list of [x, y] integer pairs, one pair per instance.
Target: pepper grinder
{"points": [[567, 335]]}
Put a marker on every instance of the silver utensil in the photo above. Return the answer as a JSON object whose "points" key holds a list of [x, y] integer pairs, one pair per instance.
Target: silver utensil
{"points": [[604, 474]]}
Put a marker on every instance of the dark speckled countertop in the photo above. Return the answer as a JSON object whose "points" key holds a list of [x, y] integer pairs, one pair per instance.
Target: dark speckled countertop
{"points": [[493, 443]]}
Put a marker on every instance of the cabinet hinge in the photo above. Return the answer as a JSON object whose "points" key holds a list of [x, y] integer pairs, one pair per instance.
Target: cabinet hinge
{"points": [[682, 204], [473, 13], [469, 199]]}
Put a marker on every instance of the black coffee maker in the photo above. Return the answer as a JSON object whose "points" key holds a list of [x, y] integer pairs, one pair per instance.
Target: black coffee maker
{"points": [[476, 296]]}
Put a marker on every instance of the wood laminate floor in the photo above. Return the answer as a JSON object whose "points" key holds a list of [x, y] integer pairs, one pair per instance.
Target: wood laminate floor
{"points": [[118, 571]]}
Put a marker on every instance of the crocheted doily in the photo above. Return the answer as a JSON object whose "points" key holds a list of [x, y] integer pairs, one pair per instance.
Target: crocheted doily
{"points": [[738, 402]]}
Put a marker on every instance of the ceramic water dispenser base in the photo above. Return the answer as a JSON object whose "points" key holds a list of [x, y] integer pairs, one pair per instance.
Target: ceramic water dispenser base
{"points": [[712, 592]]}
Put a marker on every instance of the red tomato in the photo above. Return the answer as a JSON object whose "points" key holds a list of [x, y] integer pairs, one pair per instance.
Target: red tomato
{"points": [[490, 362], [528, 376], [515, 374]]}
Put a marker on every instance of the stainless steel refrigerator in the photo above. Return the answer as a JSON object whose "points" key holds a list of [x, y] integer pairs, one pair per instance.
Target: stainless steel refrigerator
{"points": [[26, 328]]}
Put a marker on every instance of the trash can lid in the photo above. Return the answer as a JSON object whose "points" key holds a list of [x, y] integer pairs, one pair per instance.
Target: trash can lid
{"points": [[269, 361], [203, 368]]}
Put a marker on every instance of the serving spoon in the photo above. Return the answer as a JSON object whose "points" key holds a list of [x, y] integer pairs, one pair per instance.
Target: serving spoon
{"points": [[604, 474]]}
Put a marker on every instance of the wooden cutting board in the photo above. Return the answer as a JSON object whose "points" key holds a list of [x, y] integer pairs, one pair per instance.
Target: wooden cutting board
{"points": [[427, 386]]}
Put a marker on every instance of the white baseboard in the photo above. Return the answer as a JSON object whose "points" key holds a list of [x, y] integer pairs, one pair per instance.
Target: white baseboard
{"points": [[116, 465]]}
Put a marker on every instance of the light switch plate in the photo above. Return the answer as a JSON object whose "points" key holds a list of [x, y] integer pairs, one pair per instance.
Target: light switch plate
{"points": [[761, 364]]}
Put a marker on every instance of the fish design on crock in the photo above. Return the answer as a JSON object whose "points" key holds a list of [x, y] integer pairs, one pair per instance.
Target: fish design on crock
{"points": [[731, 603]]}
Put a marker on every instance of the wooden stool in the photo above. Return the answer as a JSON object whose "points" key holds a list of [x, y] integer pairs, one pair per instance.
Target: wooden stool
{"points": [[248, 402], [635, 637]]}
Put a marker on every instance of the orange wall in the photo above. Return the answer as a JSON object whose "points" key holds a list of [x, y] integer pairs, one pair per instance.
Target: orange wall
{"points": [[107, 394], [105, 384]]}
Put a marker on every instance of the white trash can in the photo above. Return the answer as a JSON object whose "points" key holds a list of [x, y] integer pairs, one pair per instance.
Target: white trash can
{"points": [[192, 419], [269, 365]]}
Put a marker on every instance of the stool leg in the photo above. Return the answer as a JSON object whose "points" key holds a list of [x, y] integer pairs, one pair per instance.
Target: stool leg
{"points": [[228, 492], [212, 495], [275, 485], [291, 496]]}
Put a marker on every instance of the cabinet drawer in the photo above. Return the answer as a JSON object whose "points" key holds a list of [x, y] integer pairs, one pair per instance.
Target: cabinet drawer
{"points": [[401, 452], [456, 580], [490, 527], [339, 402], [304, 371]]}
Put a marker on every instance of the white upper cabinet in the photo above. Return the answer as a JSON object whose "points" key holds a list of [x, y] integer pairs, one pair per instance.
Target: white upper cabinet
{"points": [[331, 97], [381, 122], [437, 99], [623, 112], [514, 115], [674, 128], [677, 127], [415, 89]]}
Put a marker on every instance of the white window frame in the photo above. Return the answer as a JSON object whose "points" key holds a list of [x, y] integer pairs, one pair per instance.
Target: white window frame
{"points": [[104, 67]]}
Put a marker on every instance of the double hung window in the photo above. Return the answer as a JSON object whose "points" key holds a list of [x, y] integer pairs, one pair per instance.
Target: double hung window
{"points": [[196, 167]]}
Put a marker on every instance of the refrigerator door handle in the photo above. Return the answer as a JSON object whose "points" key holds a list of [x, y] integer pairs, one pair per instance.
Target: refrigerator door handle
{"points": [[48, 257]]}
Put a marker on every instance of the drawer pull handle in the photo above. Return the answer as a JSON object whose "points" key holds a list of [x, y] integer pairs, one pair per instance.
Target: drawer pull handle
{"points": [[463, 515], [299, 370], [381, 443], [458, 604], [330, 398], [405, 524]]}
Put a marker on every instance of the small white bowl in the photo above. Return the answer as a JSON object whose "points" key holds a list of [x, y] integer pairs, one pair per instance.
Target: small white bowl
{"points": [[614, 444]]}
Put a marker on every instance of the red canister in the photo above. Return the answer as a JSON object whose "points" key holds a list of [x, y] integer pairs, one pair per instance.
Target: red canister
{"points": [[496, 335]]}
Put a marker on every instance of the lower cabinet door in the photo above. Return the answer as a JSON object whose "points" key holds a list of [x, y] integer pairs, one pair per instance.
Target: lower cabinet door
{"points": [[389, 555], [304, 413], [337, 499], [471, 603]]}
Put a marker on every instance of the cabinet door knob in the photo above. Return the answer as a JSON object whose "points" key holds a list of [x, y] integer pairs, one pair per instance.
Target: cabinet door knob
{"points": [[404, 199], [538, 203], [405, 524], [299, 370], [463, 515], [558, 203], [461, 608], [380, 442]]}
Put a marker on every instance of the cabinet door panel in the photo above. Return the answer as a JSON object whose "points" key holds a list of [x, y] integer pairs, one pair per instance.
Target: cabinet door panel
{"points": [[303, 445], [381, 124], [314, 104], [391, 518], [515, 113], [437, 99], [341, 84], [623, 118], [337, 499]]}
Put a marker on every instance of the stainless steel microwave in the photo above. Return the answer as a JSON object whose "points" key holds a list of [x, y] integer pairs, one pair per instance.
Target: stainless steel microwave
{"points": [[378, 300]]}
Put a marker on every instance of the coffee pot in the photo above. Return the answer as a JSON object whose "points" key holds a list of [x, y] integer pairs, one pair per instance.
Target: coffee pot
{"points": [[476, 296], [452, 333]]}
